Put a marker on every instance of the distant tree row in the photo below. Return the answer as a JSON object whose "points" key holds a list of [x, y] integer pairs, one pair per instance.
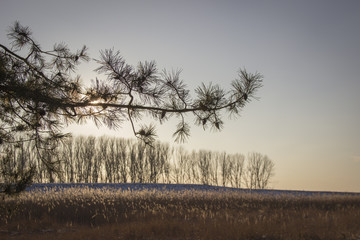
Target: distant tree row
{"points": [[118, 160]]}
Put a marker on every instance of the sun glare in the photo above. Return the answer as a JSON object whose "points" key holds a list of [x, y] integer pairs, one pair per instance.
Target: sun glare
{"points": [[96, 101]]}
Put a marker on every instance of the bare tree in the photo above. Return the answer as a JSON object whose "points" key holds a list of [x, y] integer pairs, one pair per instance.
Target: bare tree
{"points": [[106, 157], [53, 158], [113, 158], [99, 148], [142, 164], [237, 169], [122, 159], [137, 162], [194, 168], [225, 169], [259, 170], [88, 155], [133, 163], [166, 171], [39, 94], [79, 161], [16, 167], [68, 159], [204, 161], [214, 169], [180, 165], [156, 157]]}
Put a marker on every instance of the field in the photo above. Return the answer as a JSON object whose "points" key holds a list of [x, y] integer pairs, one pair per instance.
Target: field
{"points": [[169, 212]]}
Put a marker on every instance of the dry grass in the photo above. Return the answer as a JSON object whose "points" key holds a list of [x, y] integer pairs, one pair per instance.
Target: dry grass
{"points": [[108, 214]]}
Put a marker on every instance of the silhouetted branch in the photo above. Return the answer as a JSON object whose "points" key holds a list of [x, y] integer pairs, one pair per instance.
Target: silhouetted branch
{"points": [[37, 91]]}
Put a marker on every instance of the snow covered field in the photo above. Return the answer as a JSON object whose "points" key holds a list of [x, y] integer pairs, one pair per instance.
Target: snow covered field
{"points": [[174, 187]]}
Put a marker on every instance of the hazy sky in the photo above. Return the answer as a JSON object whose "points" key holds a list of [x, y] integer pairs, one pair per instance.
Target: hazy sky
{"points": [[307, 120]]}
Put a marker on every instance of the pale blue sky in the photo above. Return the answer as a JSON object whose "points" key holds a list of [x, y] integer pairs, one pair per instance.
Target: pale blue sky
{"points": [[307, 119]]}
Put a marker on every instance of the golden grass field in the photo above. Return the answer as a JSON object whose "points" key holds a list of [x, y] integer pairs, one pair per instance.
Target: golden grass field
{"points": [[85, 213]]}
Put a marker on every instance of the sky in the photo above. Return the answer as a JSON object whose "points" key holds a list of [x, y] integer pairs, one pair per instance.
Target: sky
{"points": [[308, 113]]}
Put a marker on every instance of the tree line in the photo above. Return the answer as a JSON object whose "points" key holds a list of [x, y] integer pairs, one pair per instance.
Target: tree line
{"points": [[89, 159]]}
